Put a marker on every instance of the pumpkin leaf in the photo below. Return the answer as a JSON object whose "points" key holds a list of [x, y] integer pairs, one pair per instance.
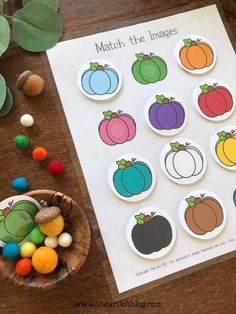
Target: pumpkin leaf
{"points": [[107, 114], [139, 56], [3, 91], [93, 66], [7, 104], [204, 88], [234, 197], [221, 135], [187, 42], [160, 98], [121, 164], [140, 218], [51, 3], [175, 146], [36, 27], [4, 34], [191, 201]]}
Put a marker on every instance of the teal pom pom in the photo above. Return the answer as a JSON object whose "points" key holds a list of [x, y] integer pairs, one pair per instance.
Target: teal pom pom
{"points": [[20, 184], [11, 250]]}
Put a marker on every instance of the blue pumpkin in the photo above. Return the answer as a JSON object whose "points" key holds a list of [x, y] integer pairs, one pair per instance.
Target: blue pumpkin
{"points": [[132, 178], [99, 80]]}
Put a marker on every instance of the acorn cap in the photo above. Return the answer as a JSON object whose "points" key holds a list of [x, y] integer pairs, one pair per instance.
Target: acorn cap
{"points": [[46, 214], [22, 78]]}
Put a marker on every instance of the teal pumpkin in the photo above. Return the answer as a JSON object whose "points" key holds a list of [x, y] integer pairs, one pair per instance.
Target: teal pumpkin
{"points": [[132, 178]]}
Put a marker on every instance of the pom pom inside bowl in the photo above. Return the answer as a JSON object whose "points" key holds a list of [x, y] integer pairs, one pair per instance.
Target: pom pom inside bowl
{"points": [[69, 259]]}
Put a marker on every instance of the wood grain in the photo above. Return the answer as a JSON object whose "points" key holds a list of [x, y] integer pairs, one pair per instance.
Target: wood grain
{"points": [[210, 290]]}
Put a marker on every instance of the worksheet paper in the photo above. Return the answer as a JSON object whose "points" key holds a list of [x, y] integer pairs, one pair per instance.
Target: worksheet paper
{"points": [[84, 115]]}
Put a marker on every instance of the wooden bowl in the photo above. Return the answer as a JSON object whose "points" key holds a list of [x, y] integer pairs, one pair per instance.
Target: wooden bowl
{"points": [[69, 259]]}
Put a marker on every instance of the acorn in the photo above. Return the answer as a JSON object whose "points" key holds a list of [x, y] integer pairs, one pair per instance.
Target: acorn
{"points": [[30, 83], [46, 214]]}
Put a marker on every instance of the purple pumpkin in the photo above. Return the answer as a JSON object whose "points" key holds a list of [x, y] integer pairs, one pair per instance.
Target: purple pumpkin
{"points": [[166, 114]]}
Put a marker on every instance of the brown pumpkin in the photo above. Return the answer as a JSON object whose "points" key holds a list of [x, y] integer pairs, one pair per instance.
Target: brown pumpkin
{"points": [[196, 54], [203, 214]]}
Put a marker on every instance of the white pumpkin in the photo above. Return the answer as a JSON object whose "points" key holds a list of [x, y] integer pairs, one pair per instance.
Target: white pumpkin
{"points": [[184, 163]]}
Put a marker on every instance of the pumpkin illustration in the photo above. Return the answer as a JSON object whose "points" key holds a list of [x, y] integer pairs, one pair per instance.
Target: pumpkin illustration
{"points": [[149, 68], [166, 114], [226, 148], [196, 54], [215, 100], [99, 80], [116, 128], [151, 233], [203, 214], [17, 221], [183, 161], [132, 177]]}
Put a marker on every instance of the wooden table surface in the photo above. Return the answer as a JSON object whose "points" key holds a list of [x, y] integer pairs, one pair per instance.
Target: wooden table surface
{"points": [[210, 290]]}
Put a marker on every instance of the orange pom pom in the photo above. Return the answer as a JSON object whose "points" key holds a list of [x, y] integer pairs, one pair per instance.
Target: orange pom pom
{"points": [[23, 267], [45, 260], [39, 154]]}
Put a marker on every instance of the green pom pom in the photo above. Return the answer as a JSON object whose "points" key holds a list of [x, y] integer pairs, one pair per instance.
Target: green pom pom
{"points": [[36, 236], [21, 141]]}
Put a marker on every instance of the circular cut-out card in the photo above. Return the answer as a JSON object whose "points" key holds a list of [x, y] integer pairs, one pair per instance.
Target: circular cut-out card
{"points": [[223, 146], [195, 54], [116, 128], [183, 161], [99, 79], [149, 68], [202, 214], [131, 177], [214, 100], [166, 114], [17, 218], [151, 233]]}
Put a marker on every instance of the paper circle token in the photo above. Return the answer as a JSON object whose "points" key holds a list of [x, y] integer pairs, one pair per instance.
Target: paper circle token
{"points": [[195, 54], [166, 114], [8, 103], [202, 214], [183, 161], [223, 147], [131, 177], [214, 100], [99, 79], [151, 233]]}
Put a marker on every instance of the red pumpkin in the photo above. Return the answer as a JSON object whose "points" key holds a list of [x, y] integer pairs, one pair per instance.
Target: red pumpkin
{"points": [[215, 100]]}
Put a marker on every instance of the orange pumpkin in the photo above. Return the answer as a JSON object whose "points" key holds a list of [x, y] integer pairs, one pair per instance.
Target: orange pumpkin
{"points": [[203, 214], [196, 54]]}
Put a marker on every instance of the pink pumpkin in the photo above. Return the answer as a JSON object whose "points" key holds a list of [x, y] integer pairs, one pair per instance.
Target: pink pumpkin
{"points": [[116, 128]]}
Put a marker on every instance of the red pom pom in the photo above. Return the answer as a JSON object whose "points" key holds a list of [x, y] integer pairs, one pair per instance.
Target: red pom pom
{"points": [[24, 266], [56, 168]]}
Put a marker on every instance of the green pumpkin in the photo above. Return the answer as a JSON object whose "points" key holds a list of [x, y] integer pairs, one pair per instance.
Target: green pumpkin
{"points": [[17, 221], [149, 68]]}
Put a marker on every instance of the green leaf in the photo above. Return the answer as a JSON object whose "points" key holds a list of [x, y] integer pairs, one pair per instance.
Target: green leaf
{"points": [[221, 135], [175, 146], [3, 91], [190, 201], [36, 27], [140, 218], [160, 99], [139, 56], [51, 3], [187, 42], [121, 164], [204, 88], [94, 65], [107, 114], [4, 34], [7, 104]]}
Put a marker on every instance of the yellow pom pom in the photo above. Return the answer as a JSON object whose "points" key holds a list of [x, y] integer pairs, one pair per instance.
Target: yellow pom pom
{"points": [[27, 249], [53, 227], [44, 260]]}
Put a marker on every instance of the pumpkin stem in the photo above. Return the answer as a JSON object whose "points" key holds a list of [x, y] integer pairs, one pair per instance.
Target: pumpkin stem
{"points": [[6, 211]]}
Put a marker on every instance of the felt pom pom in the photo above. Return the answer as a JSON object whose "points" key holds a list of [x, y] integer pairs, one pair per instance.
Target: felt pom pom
{"points": [[51, 242], [53, 227], [27, 120], [24, 267], [20, 184], [65, 239], [27, 249], [21, 141], [11, 250], [39, 154], [56, 168], [45, 260], [36, 236]]}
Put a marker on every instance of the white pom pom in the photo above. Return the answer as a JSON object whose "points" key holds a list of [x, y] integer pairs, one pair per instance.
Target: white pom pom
{"points": [[27, 120], [51, 242], [64, 239]]}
